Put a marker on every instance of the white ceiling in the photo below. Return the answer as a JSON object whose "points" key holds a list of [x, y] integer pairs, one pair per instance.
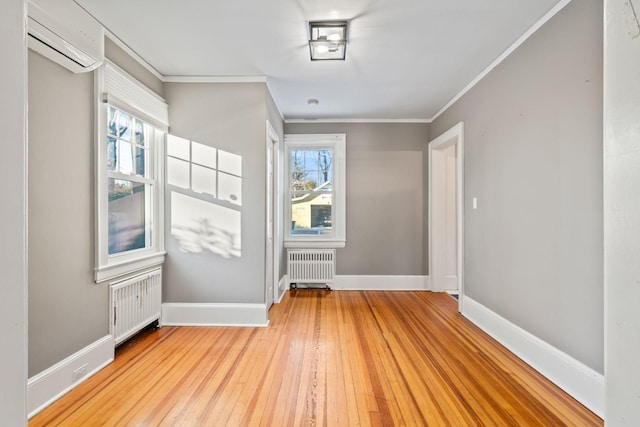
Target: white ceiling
{"points": [[405, 58]]}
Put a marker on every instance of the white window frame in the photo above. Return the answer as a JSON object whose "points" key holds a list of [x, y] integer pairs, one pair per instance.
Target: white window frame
{"points": [[336, 143], [115, 87]]}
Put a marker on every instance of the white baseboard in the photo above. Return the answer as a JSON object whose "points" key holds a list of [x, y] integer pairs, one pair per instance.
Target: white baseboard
{"points": [[193, 314], [451, 283], [49, 385], [427, 283], [381, 283], [282, 288], [577, 379]]}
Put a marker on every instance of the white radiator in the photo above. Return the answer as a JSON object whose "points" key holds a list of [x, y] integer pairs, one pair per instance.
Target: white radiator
{"points": [[311, 266], [135, 302]]}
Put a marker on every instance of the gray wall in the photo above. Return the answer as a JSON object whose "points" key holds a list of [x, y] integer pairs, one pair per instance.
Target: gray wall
{"points": [[229, 117], [131, 66], [533, 158], [622, 222], [385, 192], [274, 117], [67, 311], [13, 226]]}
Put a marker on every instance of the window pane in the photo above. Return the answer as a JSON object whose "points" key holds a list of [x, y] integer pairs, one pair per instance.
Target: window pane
{"points": [[131, 159], [311, 160], [120, 124], [311, 181], [127, 207], [325, 185], [311, 214], [178, 147], [298, 181], [125, 157], [203, 154], [298, 174], [311, 169], [316, 206], [297, 159], [141, 160], [142, 131], [325, 166], [304, 181], [203, 180], [112, 127], [112, 153]]}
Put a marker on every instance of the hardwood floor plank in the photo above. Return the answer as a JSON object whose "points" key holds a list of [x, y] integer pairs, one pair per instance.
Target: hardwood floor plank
{"points": [[343, 358]]}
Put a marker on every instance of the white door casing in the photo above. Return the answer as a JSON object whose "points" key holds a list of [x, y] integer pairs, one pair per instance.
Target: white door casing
{"points": [[272, 260], [446, 209]]}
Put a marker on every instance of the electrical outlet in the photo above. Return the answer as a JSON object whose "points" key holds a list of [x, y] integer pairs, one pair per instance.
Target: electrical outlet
{"points": [[80, 372]]}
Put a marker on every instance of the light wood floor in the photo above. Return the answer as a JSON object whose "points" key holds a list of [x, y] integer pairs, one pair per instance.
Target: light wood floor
{"points": [[328, 358]]}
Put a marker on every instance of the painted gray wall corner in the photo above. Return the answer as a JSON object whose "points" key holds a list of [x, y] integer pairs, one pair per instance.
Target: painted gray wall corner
{"points": [[533, 158], [13, 227], [425, 206], [621, 208], [385, 194], [274, 117]]}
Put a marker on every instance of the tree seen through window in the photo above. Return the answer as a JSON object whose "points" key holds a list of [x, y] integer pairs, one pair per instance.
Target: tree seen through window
{"points": [[311, 191]]}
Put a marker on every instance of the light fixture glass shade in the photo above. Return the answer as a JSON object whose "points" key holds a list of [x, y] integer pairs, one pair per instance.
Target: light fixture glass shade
{"points": [[328, 40]]}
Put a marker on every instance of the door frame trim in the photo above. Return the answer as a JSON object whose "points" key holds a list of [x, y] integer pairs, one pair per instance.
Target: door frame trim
{"points": [[454, 136], [273, 143]]}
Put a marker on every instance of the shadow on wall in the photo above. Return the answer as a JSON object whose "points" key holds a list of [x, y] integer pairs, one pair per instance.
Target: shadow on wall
{"points": [[206, 198]]}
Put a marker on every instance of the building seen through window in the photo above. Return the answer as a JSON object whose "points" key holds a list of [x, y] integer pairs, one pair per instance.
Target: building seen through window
{"points": [[311, 177]]}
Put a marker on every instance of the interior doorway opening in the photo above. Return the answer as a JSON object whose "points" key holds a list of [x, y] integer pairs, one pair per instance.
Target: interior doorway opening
{"points": [[446, 207], [272, 234]]}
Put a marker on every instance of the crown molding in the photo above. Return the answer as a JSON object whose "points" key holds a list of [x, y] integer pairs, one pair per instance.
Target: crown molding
{"points": [[263, 79], [133, 54], [535, 27], [347, 120], [275, 101], [215, 79]]}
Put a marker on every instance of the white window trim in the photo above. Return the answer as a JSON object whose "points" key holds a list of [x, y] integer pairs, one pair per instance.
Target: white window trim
{"points": [[114, 86], [336, 142]]}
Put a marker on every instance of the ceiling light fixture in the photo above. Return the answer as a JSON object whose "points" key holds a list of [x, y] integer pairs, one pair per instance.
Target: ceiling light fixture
{"points": [[328, 40]]}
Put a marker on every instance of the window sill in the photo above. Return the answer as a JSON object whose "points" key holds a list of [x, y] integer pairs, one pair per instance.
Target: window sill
{"points": [[114, 270], [314, 244]]}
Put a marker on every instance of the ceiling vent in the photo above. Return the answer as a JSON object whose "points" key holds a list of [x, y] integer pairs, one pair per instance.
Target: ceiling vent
{"points": [[63, 32]]}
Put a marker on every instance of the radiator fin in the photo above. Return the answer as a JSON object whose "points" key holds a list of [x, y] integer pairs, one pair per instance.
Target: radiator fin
{"points": [[311, 265], [135, 303]]}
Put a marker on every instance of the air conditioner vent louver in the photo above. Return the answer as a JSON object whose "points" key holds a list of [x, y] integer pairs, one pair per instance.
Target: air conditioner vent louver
{"points": [[63, 32], [34, 39]]}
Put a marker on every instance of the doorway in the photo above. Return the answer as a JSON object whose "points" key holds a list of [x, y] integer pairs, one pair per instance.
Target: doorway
{"points": [[446, 179], [272, 258]]}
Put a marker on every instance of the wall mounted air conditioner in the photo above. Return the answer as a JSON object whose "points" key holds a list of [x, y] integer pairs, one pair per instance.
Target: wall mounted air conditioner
{"points": [[63, 32]]}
